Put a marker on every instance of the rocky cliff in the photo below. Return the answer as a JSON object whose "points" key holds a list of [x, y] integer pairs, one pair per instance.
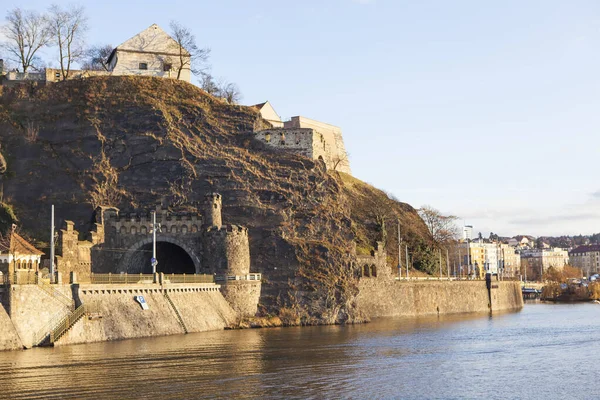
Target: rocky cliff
{"points": [[136, 142]]}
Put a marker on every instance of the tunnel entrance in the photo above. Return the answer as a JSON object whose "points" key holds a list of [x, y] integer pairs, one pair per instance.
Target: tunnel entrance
{"points": [[172, 259]]}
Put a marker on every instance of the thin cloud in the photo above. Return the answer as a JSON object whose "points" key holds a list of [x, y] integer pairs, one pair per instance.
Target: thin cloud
{"points": [[555, 218], [364, 2]]}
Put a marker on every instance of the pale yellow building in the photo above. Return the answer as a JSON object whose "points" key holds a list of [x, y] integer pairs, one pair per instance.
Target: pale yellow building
{"points": [[511, 260], [587, 258], [268, 113], [151, 52], [475, 263], [537, 261]]}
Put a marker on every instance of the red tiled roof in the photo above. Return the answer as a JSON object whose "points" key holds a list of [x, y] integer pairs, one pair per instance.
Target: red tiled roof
{"points": [[18, 245]]}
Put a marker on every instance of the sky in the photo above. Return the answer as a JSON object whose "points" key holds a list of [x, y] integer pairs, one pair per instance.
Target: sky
{"points": [[484, 110]]}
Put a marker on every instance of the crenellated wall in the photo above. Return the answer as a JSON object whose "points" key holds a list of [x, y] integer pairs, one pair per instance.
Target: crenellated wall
{"points": [[122, 243], [73, 255], [227, 250]]}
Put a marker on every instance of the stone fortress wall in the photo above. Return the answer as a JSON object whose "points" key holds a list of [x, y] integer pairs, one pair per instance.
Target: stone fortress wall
{"points": [[115, 243], [312, 139]]}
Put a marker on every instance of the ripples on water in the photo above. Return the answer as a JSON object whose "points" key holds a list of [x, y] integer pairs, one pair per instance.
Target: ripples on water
{"points": [[545, 352]]}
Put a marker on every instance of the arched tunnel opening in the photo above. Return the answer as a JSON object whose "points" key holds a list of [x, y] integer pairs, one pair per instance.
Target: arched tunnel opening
{"points": [[172, 259]]}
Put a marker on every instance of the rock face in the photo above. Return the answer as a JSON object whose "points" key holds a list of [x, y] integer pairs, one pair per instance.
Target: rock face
{"points": [[134, 142]]}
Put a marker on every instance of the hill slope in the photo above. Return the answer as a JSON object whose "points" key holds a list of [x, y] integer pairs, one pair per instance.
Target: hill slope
{"points": [[135, 142]]}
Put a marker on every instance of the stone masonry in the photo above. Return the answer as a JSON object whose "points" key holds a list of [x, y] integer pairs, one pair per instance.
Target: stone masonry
{"points": [[313, 139], [186, 243]]}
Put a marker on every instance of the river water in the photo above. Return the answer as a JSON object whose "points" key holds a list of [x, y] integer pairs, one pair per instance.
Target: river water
{"points": [[545, 351]]}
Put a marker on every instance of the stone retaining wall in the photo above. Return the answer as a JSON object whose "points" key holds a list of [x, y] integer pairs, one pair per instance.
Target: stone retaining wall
{"points": [[32, 309], [115, 314], [9, 338], [388, 298]]}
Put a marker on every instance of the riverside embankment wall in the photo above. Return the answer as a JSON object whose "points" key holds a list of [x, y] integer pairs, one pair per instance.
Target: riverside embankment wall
{"points": [[9, 338], [32, 309], [389, 298], [114, 314]]}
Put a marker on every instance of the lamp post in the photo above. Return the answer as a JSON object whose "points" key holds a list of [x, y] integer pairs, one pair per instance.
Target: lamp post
{"points": [[399, 252], [52, 244], [155, 228]]}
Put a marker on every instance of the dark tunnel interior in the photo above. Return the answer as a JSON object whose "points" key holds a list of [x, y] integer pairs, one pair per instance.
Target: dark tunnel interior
{"points": [[172, 259]]}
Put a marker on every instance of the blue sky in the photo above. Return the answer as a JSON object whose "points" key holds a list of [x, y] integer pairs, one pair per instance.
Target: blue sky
{"points": [[485, 110]]}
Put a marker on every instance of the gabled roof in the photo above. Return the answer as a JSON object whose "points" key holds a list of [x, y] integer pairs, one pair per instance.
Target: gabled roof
{"points": [[586, 248], [151, 40], [17, 245]]}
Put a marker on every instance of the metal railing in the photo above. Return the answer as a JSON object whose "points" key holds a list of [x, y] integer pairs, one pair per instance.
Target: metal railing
{"points": [[21, 278], [248, 277], [188, 278], [56, 294], [121, 278], [177, 314], [66, 323], [39, 337], [435, 278]]}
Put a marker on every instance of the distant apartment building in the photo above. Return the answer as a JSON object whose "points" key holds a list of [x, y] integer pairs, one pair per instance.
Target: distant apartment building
{"points": [[490, 257], [472, 258], [467, 232], [510, 260], [587, 258], [536, 261]]}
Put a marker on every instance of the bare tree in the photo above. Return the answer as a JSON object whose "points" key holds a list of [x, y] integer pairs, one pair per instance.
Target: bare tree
{"points": [[97, 58], [68, 28], [340, 160], [190, 55], [231, 92], [441, 228], [26, 33], [209, 85]]}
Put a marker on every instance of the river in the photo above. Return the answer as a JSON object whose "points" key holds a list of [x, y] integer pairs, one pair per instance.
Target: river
{"points": [[546, 351]]}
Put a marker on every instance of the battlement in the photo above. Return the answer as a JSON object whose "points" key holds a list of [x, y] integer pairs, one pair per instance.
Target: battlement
{"points": [[212, 209], [212, 197], [313, 140], [225, 230], [146, 218]]}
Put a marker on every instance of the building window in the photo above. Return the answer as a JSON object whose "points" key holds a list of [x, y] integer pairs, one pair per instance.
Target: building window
{"points": [[143, 66], [167, 67]]}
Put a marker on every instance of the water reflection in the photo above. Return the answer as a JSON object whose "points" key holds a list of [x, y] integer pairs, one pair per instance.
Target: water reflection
{"points": [[527, 354]]}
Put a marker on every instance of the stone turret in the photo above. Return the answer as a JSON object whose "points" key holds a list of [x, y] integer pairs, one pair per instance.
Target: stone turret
{"points": [[212, 210], [227, 250]]}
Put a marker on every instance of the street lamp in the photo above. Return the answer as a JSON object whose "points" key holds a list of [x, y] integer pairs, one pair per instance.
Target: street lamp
{"points": [[155, 228]]}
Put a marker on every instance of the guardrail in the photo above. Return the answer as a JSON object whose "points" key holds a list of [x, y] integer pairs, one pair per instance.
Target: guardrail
{"points": [[20, 278], [121, 278], [56, 294], [188, 278], [248, 277], [433, 278], [66, 323]]}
